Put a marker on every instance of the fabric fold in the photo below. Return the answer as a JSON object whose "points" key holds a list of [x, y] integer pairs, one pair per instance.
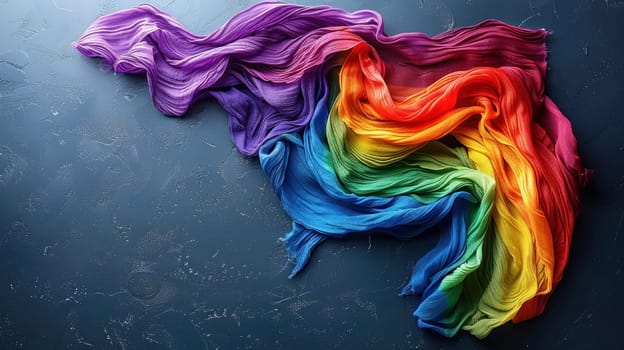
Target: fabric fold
{"points": [[362, 133]]}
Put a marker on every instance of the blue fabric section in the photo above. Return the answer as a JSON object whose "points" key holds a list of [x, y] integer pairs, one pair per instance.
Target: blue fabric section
{"points": [[300, 242]]}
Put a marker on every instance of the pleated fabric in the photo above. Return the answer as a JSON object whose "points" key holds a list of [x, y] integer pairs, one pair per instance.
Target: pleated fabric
{"points": [[364, 133]]}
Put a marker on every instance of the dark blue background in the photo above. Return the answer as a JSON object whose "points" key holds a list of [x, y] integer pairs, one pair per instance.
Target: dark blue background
{"points": [[104, 202]]}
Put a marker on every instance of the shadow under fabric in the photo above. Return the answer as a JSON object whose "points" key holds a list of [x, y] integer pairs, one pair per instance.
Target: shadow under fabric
{"points": [[359, 152]]}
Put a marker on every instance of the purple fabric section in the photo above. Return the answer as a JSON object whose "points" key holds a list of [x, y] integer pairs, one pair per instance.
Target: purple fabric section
{"points": [[264, 65]]}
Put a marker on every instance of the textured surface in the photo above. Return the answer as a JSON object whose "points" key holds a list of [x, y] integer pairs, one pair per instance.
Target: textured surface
{"points": [[122, 228]]}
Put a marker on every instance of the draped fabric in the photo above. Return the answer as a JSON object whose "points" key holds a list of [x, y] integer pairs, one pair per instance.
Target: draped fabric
{"points": [[364, 133]]}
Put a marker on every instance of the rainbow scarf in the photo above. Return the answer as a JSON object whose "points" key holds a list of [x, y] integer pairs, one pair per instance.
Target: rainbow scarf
{"points": [[361, 133]]}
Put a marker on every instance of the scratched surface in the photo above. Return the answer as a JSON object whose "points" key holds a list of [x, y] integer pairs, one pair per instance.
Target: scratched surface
{"points": [[121, 228]]}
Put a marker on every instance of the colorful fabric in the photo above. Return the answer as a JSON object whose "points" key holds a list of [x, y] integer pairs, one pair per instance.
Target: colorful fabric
{"points": [[365, 133]]}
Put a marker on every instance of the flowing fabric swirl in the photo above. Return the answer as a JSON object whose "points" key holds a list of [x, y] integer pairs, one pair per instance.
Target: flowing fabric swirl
{"points": [[364, 133]]}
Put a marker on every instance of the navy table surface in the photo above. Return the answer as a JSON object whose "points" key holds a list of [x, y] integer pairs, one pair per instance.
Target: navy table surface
{"points": [[121, 228]]}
